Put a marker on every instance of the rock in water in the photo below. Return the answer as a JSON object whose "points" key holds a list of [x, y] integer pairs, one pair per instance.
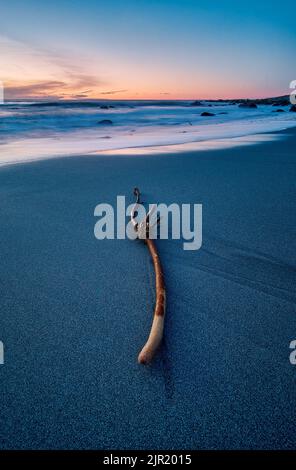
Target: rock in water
{"points": [[196, 103], [278, 111], [293, 108], [247, 105], [281, 102], [105, 122], [205, 113]]}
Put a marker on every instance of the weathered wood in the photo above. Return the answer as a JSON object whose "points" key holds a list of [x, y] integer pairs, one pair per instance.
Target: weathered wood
{"points": [[155, 337], [156, 333]]}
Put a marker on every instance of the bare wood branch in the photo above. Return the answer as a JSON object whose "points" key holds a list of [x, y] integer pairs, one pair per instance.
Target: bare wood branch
{"points": [[134, 209], [155, 337], [156, 333]]}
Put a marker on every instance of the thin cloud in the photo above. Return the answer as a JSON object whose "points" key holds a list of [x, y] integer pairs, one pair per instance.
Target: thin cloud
{"points": [[48, 89], [34, 90], [81, 95], [112, 92], [44, 74]]}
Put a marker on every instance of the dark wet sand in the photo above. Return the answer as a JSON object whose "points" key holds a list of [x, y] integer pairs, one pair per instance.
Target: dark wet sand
{"points": [[75, 311]]}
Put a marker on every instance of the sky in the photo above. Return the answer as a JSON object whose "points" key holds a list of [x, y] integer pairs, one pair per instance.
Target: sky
{"points": [[146, 49]]}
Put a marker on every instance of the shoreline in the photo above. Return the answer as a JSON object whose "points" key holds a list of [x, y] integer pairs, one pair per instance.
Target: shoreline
{"points": [[58, 131], [158, 150]]}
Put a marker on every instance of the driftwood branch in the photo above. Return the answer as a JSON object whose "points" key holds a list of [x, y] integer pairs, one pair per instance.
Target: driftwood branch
{"points": [[156, 333]]}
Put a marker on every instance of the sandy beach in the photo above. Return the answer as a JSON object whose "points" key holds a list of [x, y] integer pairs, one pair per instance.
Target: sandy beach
{"points": [[76, 311]]}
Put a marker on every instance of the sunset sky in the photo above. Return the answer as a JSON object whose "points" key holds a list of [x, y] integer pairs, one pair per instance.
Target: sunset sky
{"points": [[146, 49]]}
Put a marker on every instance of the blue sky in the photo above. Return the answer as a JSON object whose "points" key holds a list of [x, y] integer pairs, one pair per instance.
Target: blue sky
{"points": [[147, 49]]}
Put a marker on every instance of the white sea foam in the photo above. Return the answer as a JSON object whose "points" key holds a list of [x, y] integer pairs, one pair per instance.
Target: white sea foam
{"points": [[34, 132]]}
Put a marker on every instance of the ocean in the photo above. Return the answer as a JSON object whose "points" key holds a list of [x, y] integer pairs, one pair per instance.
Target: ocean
{"points": [[36, 130]]}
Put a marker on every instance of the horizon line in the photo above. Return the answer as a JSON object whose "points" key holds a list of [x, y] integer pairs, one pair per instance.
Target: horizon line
{"points": [[57, 99]]}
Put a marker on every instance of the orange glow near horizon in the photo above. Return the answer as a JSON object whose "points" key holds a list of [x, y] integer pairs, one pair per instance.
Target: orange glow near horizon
{"points": [[61, 90], [53, 76]]}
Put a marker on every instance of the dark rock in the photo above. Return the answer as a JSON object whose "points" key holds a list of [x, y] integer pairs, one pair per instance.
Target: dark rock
{"points": [[278, 111], [205, 113], [247, 105], [293, 108], [196, 103], [275, 101], [283, 102], [105, 122], [106, 106]]}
